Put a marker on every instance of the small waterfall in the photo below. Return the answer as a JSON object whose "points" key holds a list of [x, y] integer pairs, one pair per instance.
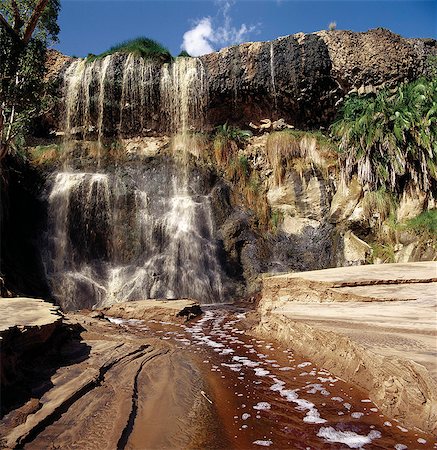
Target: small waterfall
{"points": [[272, 75], [137, 94], [110, 241], [127, 95], [184, 94], [101, 99]]}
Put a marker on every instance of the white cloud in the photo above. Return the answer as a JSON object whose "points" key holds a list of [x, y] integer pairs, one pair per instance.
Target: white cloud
{"points": [[197, 40], [200, 39]]}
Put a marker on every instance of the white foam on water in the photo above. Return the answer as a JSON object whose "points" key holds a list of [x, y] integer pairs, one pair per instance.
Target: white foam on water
{"points": [[259, 372], [421, 441], [245, 361], [313, 416], [400, 447], [116, 320], [304, 364], [337, 399], [387, 424], [245, 416], [233, 367], [348, 406], [357, 415], [266, 443], [326, 380], [366, 400], [226, 351], [349, 438], [314, 388], [404, 430], [286, 368], [262, 406]]}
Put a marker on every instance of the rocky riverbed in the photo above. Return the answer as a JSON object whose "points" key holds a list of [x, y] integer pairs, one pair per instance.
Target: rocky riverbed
{"points": [[146, 375]]}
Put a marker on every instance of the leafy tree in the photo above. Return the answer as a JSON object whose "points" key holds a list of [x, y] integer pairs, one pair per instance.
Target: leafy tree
{"points": [[390, 139], [27, 27]]}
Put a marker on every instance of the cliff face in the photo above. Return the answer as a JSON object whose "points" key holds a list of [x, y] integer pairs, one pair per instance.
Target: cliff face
{"points": [[300, 78], [116, 203]]}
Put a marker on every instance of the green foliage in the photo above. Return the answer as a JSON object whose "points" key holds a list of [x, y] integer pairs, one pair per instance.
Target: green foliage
{"points": [[383, 252], [23, 93], [391, 139], [236, 134], [381, 203], [45, 154], [425, 224], [184, 54], [47, 28], [142, 47], [227, 139], [276, 219]]}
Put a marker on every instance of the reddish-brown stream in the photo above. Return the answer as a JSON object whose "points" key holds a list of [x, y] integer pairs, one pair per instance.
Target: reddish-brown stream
{"points": [[266, 396]]}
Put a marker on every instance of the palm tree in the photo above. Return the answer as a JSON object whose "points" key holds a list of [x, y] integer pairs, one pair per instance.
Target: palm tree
{"points": [[390, 139]]}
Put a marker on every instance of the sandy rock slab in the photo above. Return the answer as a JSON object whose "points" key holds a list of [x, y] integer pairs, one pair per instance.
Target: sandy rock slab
{"points": [[374, 326], [172, 310], [30, 320], [112, 389], [26, 326]]}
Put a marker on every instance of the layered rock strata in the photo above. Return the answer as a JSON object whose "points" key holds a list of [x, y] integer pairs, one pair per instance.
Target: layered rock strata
{"points": [[335, 318]]}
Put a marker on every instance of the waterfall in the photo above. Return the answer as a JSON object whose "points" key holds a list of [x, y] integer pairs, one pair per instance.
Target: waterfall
{"points": [[141, 231], [127, 95], [111, 241], [184, 93]]}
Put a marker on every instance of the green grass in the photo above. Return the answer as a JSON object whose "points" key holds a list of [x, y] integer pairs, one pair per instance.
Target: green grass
{"points": [[425, 224], [390, 139], [276, 219], [142, 47], [383, 252]]}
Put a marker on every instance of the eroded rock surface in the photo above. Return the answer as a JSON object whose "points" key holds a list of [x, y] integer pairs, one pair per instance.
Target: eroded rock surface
{"points": [[371, 325], [116, 390]]}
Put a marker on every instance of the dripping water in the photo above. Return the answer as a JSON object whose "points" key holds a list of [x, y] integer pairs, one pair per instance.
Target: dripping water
{"points": [[272, 75]]}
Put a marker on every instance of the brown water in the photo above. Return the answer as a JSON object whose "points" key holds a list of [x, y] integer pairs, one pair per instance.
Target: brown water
{"points": [[266, 396]]}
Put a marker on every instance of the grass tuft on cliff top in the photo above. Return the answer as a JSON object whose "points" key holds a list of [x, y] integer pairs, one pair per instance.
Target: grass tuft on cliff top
{"points": [[142, 47]]}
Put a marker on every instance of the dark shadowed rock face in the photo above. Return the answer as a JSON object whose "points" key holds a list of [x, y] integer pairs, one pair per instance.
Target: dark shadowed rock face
{"points": [[301, 78], [281, 78]]}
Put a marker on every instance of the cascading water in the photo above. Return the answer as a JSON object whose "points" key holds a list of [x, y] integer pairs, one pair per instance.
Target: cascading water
{"points": [[112, 241], [272, 75], [141, 231]]}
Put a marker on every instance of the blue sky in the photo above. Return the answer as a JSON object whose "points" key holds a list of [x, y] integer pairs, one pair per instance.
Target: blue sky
{"points": [[202, 25]]}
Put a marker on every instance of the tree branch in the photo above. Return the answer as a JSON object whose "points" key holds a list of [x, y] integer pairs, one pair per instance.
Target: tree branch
{"points": [[18, 21], [8, 28], [39, 9]]}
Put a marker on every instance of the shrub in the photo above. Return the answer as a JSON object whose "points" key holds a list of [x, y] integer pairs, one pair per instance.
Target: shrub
{"points": [[390, 139], [381, 202], [287, 148], [226, 142], [425, 224], [142, 47]]}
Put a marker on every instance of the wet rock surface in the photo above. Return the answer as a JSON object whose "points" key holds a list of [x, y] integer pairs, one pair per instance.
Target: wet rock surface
{"points": [[299, 78]]}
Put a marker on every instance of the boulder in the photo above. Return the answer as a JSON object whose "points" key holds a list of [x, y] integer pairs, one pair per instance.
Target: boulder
{"points": [[345, 200], [355, 250]]}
